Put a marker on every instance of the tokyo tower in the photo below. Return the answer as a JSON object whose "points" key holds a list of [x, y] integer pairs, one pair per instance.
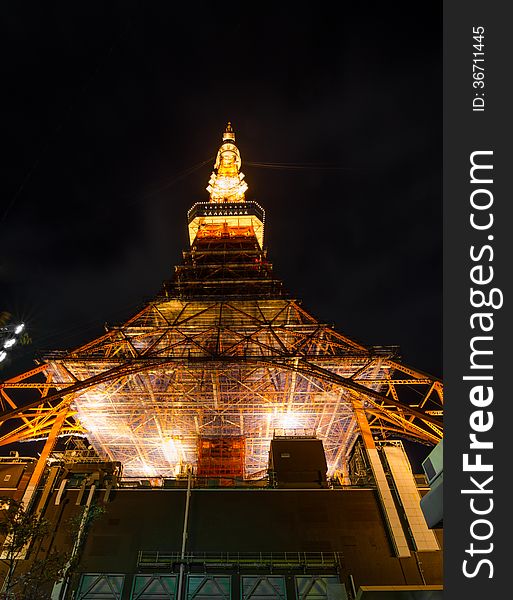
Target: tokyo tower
{"points": [[222, 361]]}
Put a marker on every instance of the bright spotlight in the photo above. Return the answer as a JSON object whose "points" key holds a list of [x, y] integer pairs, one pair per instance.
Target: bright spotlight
{"points": [[148, 470], [3, 354], [19, 328], [289, 421], [9, 343]]}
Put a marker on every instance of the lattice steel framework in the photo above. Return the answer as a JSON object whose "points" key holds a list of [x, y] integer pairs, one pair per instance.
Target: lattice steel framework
{"points": [[222, 351]]}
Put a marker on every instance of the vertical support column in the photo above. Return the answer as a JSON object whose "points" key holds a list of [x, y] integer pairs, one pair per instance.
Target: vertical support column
{"points": [[184, 535], [41, 462], [50, 482], [385, 495], [424, 538], [60, 588], [28, 496]]}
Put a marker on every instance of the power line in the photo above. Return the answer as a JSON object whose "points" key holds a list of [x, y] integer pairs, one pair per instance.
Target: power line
{"points": [[300, 166]]}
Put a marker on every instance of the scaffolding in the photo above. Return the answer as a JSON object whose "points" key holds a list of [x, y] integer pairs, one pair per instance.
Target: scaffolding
{"points": [[221, 457]]}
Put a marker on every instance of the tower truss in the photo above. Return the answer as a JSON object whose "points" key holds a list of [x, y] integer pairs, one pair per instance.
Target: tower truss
{"points": [[223, 351]]}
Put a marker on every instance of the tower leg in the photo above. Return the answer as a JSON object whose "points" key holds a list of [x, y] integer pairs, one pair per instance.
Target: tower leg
{"points": [[385, 495], [41, 462]]}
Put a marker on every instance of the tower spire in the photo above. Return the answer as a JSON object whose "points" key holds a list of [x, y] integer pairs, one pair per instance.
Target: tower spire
{"points": [[229, 134], [226, 182]]}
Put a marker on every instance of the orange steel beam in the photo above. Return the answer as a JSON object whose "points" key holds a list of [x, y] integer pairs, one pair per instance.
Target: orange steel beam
{"points": [[117, 371], [37, 425], [411, 371], [303, 366], [387, 381], [309, 368], [404, 425], [34, 371], [363, 424], [45, 453], [109, 333]]}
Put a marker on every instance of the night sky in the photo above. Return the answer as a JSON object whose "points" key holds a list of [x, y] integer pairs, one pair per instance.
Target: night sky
{"points": [[112, 116]]}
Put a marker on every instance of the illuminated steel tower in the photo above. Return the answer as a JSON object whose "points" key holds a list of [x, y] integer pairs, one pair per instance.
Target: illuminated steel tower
{"points": [[220, 362]]}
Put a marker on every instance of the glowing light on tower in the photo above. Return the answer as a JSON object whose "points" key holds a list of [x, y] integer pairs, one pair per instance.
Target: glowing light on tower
{"points": [[226, 182]]}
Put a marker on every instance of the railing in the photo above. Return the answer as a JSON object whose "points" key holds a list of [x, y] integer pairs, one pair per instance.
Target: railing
{"points": [[225, 208], [156, 558], [158, 483], [294, 433], [17, 459], [80, 456]]}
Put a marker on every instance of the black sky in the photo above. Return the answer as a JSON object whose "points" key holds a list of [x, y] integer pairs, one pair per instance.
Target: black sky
{"points": [[108, 106]]}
